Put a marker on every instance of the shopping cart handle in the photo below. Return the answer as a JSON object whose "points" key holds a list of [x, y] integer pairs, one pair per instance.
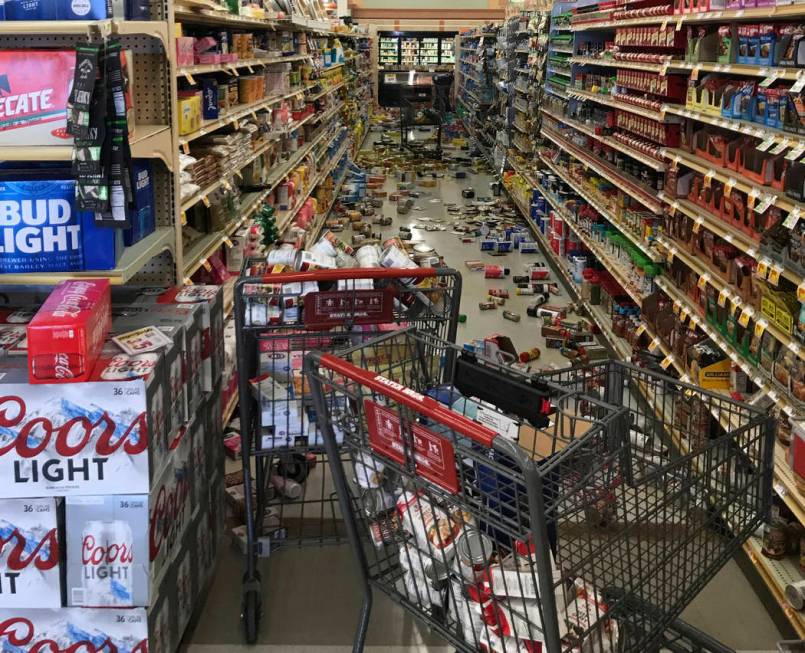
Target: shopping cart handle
{"points": [[350, 273], [422, 404]]}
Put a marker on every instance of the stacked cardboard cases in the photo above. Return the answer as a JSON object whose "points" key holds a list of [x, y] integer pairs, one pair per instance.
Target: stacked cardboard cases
{"points": [[111, 489]]}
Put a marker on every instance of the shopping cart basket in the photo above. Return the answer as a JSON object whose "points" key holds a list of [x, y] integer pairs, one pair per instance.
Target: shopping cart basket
{"points": [[288, 494], [505, 527]]}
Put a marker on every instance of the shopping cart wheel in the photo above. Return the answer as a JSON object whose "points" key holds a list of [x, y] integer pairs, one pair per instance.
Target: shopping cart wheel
{"points": [[295, 467], [252, 610]]}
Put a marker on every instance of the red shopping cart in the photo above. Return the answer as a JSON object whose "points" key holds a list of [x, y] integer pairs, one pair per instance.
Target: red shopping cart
{"points": [[288, 495], [576, 511]]}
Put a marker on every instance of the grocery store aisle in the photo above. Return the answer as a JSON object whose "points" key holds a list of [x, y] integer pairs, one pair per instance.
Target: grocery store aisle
{"points": [[311, 596]]}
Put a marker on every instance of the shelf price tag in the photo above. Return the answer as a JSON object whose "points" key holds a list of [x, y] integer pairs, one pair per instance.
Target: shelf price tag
{"points": [[765, 145], [799, 84], [730, 185], [640, 330], [745, 316], [708, 178], [653, 345], [206, 265], [187, 281], [694, 74], [671, 253], [189, 78], [228, 242], [774, 275], [722, 298], [768, 200], [206, 200], [794, 347], [183, 218], [795, 152], [676, 307], [666, 362], [683, 315], [751, 199], [697, 225], [763, 267], [703, 280], [781, 146], [770, 79], [792, 218], [760, 327], [186, 148]]}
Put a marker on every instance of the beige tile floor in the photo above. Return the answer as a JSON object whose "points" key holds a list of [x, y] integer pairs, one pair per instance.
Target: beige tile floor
{"points": [[311, 597]]}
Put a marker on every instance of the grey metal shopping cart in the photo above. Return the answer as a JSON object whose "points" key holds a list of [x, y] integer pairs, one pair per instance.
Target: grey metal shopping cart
{"points": [[575, 511]]}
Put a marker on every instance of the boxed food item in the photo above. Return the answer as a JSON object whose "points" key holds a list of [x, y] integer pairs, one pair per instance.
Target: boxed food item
{"points": [[66, 335], [30, 576], [77, 629], [107, 551], [36, 88]]}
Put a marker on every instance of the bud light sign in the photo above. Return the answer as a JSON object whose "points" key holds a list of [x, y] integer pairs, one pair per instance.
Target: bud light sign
{"points": [[29, 554], [40, 230], [73, 439]]}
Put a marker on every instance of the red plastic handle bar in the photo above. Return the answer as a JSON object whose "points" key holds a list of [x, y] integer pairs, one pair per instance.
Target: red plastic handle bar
{"points": [[350, 273], [402, 395]]}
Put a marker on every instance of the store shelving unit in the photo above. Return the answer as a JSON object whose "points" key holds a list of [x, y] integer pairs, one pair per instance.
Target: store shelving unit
{"points": [[598, 28], [161, 257]]}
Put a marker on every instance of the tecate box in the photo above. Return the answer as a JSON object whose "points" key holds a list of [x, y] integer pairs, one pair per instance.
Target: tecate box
{"points": [[74, 629], [30, 575], [67, 333], [107, 551], [36, 86], [71, 439], [171, 506]]}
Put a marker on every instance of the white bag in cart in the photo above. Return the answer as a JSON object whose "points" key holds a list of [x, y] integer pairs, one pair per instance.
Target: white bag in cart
{"points": [[430, 524]]}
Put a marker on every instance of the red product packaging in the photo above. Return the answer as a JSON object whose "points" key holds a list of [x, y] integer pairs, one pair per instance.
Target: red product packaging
{"points": [[67, 333]]}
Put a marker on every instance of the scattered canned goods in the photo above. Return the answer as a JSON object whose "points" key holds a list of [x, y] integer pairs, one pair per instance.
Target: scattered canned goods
{"points": [[498, 292], [500, 301], [487, 306], [512, 317], [488, 245], [467, 241], [505, 246], [462, 319], [495, 272], [531, 355], [473, 553]]}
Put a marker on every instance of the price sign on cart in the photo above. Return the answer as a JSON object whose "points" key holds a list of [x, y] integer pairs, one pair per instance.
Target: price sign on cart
{"points": [[323, 309], [434, 456]]}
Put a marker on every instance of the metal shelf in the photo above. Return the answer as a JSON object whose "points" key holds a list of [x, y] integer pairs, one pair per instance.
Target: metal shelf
{"points": [[600, 207], [731, 177], [614, 143], [232, 68], [745, 127], [105, 28], [727, 232], [149, 142], [131, 262], [760, 13], [609, 101], [641, 194]]}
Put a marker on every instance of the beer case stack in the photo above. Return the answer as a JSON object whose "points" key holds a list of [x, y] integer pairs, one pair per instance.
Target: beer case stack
{"points": [[111, 486]]}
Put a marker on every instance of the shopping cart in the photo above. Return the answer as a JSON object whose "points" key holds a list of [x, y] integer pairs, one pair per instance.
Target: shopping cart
{"points": [[288, 495], [575, 511]]}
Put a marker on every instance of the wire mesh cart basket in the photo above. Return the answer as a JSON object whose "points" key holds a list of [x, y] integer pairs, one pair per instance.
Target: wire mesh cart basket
{"points": [[289, 498], [571, 512]]}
